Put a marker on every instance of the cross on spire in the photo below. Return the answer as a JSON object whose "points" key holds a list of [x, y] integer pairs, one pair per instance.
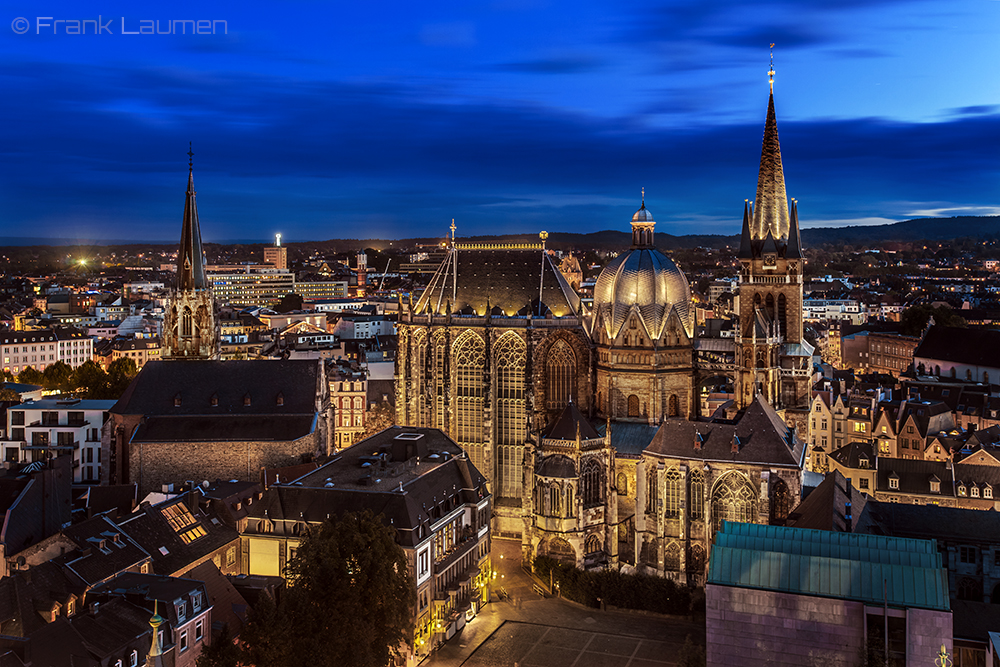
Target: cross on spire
{"points": [[644, 197], [770, 73], [190, 156]]}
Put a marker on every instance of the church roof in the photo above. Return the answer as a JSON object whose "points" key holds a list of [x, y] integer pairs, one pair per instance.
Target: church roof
{"points": [[505, 280], [770, 210], [649, 280], [973, 347], [758, 437], [558, 466], [160, 385], [568, 424]]}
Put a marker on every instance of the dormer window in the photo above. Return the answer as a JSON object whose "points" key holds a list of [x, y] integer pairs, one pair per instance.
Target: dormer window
{"points": [[863, 462], [246, 400], [181, 606], [894, 483], [177, 401], [988, 491], [935, 485], [974, 491], [961, 490], [214, 400], [280, 400]]}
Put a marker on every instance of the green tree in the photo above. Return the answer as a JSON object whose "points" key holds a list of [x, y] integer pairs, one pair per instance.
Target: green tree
{"points": [[379, 418], [289, 302], [8, 394], [30, 376], [90, 380], [915, 318], [120, 375], [58, 376], [222, 652], [350, 602]]}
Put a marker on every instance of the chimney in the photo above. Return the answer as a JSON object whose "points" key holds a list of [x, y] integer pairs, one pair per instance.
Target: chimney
{"points": [[736, 444], [94, 607], [699, 441]]}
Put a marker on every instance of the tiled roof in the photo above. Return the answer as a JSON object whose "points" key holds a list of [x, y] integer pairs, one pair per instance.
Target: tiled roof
{"points": [[629, 438], [568, 424], [94, 565]]}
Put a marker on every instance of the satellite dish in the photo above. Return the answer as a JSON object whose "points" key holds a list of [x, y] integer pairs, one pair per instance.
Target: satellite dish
{"points": [[205, 484]]}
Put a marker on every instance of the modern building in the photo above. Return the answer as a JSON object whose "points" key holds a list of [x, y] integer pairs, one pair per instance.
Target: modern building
{"points": [[276, 255], [75, 347], [424, 485], [39, 430], [28, 349]]}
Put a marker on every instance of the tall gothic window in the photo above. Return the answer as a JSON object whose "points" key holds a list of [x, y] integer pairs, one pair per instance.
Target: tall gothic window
{"points": [[560, 367], [672, 557], [541, 498], [418, 351], [733, 499], [593, 545], [570, 507], [622, 484], [470, 359], [510, 354], [633, 406], [187, 325], [696, 559], [673, 493], [769, 305], [780, 501], [440, 353], [592, 483], [674, 406], [783, 315], [651, 490], [555, 495], [696, 483]]}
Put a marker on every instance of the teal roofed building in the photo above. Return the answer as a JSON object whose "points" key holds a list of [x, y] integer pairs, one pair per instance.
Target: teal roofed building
{"points": [[791, 596]]}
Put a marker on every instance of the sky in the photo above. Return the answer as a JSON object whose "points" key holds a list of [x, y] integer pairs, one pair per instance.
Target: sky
{"points": [[384, 119]]}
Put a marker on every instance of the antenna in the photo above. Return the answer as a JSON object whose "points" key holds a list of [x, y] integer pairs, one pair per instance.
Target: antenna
{"points": [[277, 240]]}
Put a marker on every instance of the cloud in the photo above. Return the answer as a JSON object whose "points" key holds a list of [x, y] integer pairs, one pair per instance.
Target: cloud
{"points": [[104, 148], [570, 64]]}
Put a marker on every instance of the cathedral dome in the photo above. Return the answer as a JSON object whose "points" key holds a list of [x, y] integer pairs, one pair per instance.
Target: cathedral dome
{"points": [[645, 278]]}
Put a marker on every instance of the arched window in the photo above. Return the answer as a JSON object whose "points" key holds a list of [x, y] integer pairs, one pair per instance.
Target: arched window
{"points": [[469, 354], [674, 406], [968, 374], [756, 299], [970, 589], [953, 372], [733, 499], [672, 557], [780, 501], [418, 357], [560, 374], [187, 325], [672, 509], [986, 377], [562, 551], [593, 545], [769, 305], [592, 478], [937, 370], [696, 559], [633, 406], [622, 483], [696, 485], [570, 507], [510, 356], [783, 315], [440, 353], [652, 489], [541, 499], [555, 495]]}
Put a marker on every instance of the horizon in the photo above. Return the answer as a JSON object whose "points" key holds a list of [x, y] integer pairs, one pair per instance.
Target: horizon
{"points": [[512, 115]]}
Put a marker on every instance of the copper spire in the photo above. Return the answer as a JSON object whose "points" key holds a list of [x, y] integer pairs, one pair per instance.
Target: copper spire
{"points": [[191, 257], [770, 213]]}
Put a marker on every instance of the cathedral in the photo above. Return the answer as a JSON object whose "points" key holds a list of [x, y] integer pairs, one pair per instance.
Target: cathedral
{"points": [[587, 420]]}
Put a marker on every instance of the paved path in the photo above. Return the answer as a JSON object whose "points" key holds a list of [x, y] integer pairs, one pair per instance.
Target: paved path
{"points": [[532, 631]]}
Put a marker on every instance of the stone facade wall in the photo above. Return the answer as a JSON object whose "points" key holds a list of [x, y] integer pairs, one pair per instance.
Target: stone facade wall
{"points": [[926, 631], [153, 464], [753, 627]]}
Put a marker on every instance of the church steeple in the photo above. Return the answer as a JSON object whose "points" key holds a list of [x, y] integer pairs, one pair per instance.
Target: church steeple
{"points": [[643, 226], [770, 211], [191, 257]]}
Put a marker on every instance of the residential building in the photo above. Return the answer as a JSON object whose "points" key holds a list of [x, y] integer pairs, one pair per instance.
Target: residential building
{"points": [[349, 398], [75, 347], [28, 349]]}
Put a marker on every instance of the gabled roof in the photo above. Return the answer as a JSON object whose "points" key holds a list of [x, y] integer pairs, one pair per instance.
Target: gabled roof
{"points": [[569, 424], [973, 347], [760, 437]]}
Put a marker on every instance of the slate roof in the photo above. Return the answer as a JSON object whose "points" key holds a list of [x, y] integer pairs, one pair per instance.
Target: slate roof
{"points": [[154, 389], [557, 465], [225, 428], [629, 439], [506, 279], [120, 497], [408, 490], [228, 606], [149, 527], [826, 507], [973, 347], [851, 455], [141, 588], [570, 422], [94, 565], [933, 522], [117, 627], [763, 438]]}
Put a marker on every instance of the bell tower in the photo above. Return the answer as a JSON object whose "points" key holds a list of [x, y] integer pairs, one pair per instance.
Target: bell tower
{"points": [[772, 357], [191, 326]]}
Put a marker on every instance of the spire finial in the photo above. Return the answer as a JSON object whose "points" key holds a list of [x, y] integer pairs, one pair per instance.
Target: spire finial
{"points": [[644, 197], [452, 228], [190, 157], [770, 73]]}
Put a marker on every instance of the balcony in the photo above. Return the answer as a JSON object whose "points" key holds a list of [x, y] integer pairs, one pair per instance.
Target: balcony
{"points": [[457, 552]]}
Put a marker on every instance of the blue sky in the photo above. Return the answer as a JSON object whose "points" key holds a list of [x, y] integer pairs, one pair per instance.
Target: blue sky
{"points": [[342, 120]]}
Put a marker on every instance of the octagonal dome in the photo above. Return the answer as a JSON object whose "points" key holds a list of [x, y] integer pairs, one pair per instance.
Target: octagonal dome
{"points": [[649, 280]]}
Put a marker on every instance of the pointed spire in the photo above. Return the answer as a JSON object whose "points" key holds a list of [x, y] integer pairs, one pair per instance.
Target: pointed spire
{"points": [[771, 207], [191, 257], [155, 656], [746, 245], [794, 249]]}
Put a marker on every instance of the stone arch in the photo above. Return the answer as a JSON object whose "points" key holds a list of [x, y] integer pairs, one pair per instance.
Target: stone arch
{"points": [[592, 476], [735, 499], [559, 549], [593, 545], [621, 483], [756, 299], [696, 559], [781, 499], [560, 375], [633, 406]]}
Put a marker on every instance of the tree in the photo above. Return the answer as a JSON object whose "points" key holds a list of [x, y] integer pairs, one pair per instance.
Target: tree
{"points": [[58, 376], [8, 394], [915, 318], [90, 379], [289, 302], [222, 652], [30, 376], [379, 418], [350, 602], [120, 375]]}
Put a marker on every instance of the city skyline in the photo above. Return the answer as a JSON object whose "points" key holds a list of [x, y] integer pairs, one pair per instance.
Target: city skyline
{"points": [[388, 121]]}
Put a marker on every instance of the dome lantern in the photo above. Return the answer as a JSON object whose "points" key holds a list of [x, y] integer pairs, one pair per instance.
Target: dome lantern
{"points": [[642, 226]]}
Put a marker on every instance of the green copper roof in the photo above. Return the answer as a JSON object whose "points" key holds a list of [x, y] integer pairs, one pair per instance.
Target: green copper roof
{"points": [[830, 564]]}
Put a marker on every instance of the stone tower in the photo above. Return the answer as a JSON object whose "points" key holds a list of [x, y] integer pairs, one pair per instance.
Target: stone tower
{"points": [[191, 327], [771, 356]]}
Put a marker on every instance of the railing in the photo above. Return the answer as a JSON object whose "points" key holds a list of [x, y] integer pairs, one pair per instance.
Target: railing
{"points": [[450, 557]]}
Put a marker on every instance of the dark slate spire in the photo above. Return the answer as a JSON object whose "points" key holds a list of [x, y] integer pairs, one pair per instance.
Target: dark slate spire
{"points": [[769, 247], [770, 212], [746, 245], [191, 258], [794, 249]]}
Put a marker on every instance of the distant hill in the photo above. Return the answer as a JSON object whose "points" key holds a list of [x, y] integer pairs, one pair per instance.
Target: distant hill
{"points": [[931, 229]]}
